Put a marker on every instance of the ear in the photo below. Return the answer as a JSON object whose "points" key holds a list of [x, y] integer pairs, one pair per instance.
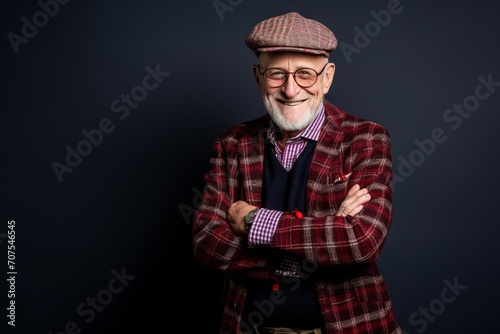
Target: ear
{"points": [[257, 76], [328, 77]]}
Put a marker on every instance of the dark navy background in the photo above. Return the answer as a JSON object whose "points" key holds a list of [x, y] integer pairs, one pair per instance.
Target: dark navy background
{"points": [[124, 210]]}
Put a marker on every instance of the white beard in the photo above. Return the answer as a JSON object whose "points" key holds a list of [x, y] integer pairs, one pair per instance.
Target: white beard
{"points": [[289, 125]]}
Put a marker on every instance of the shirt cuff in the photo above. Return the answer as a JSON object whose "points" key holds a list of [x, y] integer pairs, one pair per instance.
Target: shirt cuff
{"points": [[263, 227]]}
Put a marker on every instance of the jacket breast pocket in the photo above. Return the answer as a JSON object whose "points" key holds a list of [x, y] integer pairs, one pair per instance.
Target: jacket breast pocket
{"points": [[332, 192]]}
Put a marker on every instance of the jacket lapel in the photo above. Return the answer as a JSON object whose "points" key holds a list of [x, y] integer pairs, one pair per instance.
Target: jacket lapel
{"points": [[327, 158], [251, 161]]}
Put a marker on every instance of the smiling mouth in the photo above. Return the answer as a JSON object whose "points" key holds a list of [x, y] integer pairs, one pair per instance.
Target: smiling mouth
{"points": [[291, 103]]}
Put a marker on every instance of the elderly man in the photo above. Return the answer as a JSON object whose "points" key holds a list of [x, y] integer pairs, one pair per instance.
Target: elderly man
{"points": [[298, 203]]}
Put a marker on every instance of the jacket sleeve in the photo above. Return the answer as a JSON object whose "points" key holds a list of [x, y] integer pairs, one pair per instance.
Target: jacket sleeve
{"points": [[214, 244], [330, 240]]}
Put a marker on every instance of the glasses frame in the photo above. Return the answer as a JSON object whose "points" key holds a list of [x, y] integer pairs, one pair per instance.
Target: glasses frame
{"points": [[287, 75]]}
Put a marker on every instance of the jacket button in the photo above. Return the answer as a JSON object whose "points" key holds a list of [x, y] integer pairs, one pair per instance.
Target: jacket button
{"points": [[234, 307]]}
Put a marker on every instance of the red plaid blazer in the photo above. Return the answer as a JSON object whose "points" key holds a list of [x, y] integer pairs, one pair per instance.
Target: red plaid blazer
{"points": [[339, 253]]}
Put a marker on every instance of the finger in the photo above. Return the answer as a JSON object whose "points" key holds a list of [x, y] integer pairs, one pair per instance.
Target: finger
{"points": [[354, 204], [344, 209], [359, 200], [354, 196], [353, 190], [357, 205], [354, 211]]}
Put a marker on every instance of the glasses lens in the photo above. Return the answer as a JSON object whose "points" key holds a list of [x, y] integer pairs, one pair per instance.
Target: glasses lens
{"points": [[305, 77], [275, 77]]}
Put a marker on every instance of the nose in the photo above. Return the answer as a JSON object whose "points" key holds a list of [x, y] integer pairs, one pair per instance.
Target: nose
{"points": [[290, 87]]}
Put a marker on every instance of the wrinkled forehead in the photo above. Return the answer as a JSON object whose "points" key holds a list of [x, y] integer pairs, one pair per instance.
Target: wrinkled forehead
{"points": [[291, 60]]}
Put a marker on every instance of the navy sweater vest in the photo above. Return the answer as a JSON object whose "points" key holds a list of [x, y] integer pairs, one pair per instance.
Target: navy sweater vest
{"points": [[297, 306], [286, 190]]}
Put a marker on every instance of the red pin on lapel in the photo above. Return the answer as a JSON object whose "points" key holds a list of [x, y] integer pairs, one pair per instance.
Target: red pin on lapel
{"points": [[298, 214], [342, 178]]}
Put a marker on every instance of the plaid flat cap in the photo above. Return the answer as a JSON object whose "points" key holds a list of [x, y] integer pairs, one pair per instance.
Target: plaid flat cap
{"points": [[291, 32]]}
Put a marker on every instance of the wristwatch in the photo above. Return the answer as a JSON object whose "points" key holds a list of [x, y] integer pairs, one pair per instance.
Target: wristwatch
{"points": [[249, 218]]}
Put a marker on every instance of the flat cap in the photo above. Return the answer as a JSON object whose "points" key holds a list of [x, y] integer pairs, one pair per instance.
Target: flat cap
{"points": [[291, 32]]}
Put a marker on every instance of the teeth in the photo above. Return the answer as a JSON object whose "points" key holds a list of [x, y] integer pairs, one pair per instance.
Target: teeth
{"points": [[292, 103]]}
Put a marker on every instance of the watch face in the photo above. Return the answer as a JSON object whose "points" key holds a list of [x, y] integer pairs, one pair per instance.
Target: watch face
{"points": [[249, 217]]}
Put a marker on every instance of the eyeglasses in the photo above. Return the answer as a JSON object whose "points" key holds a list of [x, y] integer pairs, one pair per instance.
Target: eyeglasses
{"points": [[304, 77]]}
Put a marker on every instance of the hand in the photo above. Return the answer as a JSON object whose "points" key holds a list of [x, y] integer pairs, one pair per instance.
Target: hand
{"points": [[236, 216], [353, 203]]}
